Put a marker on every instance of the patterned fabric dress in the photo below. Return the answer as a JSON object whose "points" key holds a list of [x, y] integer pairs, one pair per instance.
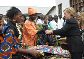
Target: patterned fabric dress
{"points": [[8, 44]]}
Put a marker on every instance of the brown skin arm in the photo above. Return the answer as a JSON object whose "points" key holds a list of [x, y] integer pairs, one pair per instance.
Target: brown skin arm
{"points": [[32, 52]]}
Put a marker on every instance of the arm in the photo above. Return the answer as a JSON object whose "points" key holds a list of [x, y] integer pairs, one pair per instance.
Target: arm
{"points": [[31, 52], [61, 31]]}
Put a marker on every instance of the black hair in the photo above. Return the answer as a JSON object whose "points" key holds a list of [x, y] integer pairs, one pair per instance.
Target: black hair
{"points": [[1, 15], [39, 17], [50, 17], [24, 17], [60, 16], [46, 16], [55, 17], [12, 12]]}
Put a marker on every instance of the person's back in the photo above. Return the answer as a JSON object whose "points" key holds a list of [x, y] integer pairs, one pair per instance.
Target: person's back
{"points": [[80, 19], [53, 25], [8, 42]]}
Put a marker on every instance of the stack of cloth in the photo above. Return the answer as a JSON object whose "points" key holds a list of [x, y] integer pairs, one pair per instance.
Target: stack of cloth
{"points": [[53, 50]]}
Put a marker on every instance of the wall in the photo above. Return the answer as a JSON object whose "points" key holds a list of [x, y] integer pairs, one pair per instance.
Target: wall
{"points": [[65, 4]]}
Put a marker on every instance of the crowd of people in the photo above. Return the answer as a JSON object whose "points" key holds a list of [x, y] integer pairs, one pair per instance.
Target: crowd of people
{"points": [[40, 29]]}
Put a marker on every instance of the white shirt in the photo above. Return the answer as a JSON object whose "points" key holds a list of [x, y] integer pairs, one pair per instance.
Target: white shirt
{"points": [[53, 25], [39, 21], [60, 23]]}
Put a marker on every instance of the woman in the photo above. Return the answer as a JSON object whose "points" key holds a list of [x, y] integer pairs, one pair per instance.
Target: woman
{"points": [[82, 20], [82, 27], [15, 16], [72, 32], [82, 24]]}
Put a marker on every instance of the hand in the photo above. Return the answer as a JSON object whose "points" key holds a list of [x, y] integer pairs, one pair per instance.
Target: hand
{"points": [[48, 31], [32, 52], [35, 53]]}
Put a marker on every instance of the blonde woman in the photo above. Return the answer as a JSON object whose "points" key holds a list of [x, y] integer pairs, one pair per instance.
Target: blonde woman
{"points": [[82, 20], [72, 32]]}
